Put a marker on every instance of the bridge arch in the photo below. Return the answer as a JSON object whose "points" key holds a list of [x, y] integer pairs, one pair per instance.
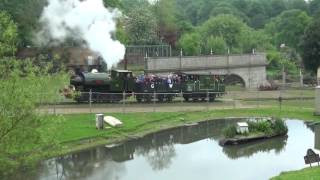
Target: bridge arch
{"points": [[250, 67], [235, 79]]}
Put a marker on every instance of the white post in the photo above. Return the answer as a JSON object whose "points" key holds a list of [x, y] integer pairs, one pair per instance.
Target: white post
{"points": [[99, 121]]}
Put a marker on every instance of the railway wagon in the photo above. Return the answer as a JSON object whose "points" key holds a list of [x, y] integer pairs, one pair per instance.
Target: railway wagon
{"points": [[202, 87], [104, 87], [157, 87]]}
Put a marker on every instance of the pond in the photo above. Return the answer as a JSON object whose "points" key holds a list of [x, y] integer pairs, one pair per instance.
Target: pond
{"points": [[188, 153]]}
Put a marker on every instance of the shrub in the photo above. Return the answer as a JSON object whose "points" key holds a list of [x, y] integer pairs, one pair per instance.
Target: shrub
{"points": [[260, 126], [279, 127], [230, 131]]}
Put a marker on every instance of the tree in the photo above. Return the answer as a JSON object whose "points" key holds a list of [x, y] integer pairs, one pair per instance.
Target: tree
{"points": [[289, 27], [166, 20], [190, 44], [310, 47], [8, 35], [23, 131], [314, 7], [26, 14], [141, 26], [112, 3], [226, 26], [216, 44]]}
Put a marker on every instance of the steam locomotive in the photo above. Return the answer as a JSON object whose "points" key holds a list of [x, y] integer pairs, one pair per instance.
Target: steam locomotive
{"points": [[120, 84]]}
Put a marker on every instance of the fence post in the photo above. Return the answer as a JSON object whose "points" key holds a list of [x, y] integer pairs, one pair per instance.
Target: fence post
{"points": [[181, 101], [234, 100], [208, 100], [90, 100], [258, 99], [124, 102], [154, 101], [54, 106]]}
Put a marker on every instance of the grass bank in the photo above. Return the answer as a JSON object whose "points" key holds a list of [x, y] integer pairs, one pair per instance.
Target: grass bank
{"points": [[305, 174], [78, 131]]}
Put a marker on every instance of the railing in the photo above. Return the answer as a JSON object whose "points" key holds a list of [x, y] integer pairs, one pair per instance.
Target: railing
{"points": [[176, 102]]}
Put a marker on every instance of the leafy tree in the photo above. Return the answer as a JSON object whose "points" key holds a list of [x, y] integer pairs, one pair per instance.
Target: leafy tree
{"points": [[216, 44], [141, 26], [26, 14], [314, 7], [8, 35], [226, 26], [23, 131], [298, 4], [310, 47], [190, 44], [166, 20], [251, 39], [112, 3], [257, 14], [289, 27]]}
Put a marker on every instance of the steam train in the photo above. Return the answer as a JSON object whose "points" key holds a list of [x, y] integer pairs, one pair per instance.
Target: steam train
{"points": [[120, 84]]}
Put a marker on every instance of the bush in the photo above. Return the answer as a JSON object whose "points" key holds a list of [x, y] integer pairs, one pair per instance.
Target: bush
{"points": [[230, 131], [279, 127], [260, 126]]}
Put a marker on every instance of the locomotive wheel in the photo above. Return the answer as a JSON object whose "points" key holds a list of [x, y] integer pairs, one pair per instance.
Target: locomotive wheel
{"points": [[212, 97], [203, 99], [169, 98], [160, 98], [148, 98], [186, 98]]}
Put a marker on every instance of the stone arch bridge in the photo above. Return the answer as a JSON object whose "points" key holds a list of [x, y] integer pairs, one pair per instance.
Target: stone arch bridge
{"points": [[251, 68]]}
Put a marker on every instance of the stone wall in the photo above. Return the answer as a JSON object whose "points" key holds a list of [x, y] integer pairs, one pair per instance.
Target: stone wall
{"points": [[251, 67]]}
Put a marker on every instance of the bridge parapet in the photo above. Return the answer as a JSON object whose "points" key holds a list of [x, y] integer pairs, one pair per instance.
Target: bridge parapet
{"points": [[162, 64], [250, 67]]}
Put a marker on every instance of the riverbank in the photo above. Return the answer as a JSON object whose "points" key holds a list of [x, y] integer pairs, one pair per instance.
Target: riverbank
{"points": [[306, 174], [77, 132]]}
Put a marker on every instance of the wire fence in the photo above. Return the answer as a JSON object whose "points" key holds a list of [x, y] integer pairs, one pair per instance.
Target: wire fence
{"points": [[93, 102]]}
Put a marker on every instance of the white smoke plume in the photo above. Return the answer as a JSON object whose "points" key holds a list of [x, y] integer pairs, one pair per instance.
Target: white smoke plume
{"points": [[83, 20]]}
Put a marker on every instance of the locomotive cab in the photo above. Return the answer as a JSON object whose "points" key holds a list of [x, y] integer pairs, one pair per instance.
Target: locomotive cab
{"points": [[122, 81]]}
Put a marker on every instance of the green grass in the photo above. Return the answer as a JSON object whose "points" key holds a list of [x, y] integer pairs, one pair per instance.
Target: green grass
{"points": [[304, 174], [82, 126], [77, 131]]}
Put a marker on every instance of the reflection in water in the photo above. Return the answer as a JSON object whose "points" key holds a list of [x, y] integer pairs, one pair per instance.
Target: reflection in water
{"points": [[181, 153], [246, 150]]}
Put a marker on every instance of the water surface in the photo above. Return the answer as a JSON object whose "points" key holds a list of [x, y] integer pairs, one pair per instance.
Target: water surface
{"points": [[185, 153]]}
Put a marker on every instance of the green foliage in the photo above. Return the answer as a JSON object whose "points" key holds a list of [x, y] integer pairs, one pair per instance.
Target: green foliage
{"points": [[217, 44], [191, 44], [289, 27], [8, 35], [112, 3], [279, 126], [141, 26], [310, 47], [226, 26], [230, 131], [166, 21], [261, 126], [23, 132], [26, 14]]}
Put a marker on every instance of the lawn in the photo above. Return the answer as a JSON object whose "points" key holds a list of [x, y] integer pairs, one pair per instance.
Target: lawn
{"points": [[77, 131], [304, 174]]}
